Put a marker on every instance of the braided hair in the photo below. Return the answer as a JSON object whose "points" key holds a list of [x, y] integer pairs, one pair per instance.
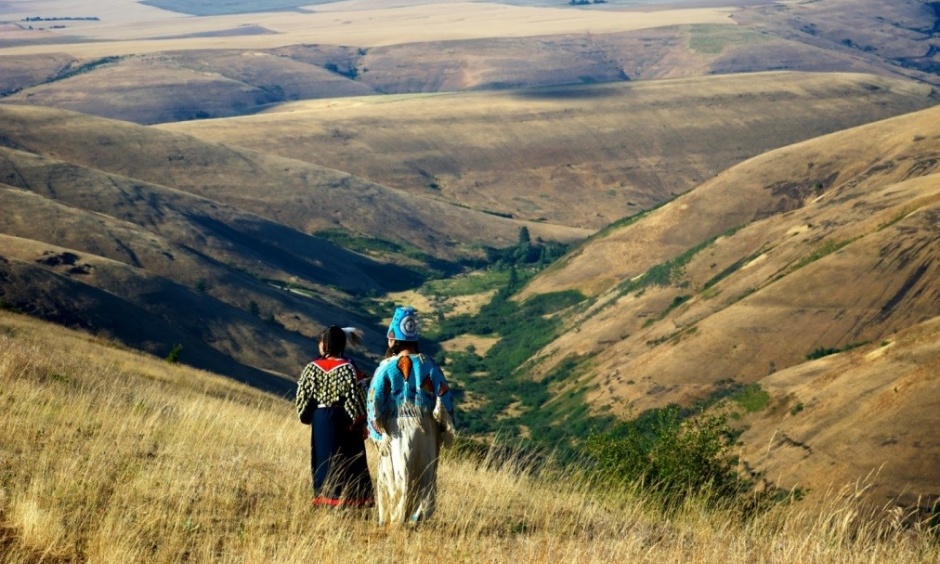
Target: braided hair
{"points": [[333, 339], [399, 346]]}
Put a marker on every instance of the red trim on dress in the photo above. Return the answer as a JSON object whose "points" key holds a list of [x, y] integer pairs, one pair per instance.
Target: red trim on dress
{"points": [[328, 364], [339, 502]]}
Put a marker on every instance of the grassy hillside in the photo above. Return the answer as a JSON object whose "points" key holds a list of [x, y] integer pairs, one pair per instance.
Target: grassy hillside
{"points": [[91, 247], [240, 257], [156, 68], [899, 33], [110, 455], [865, 412], [304, 197], [819, 248], [582, 155], [792, 287], [788, 186], [209, 222], [180, 86], [145, 312]]}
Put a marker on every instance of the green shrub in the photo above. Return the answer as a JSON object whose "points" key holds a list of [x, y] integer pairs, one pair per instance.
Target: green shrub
{"points": [[824, 250], [820, 352], [669, 456], [523, 329], [174, 355], [752, 398]]}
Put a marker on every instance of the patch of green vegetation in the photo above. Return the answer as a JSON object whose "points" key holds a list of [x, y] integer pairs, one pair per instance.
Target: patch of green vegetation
{"points": [[70, 71], [173, 356], [710, 293], [826, 249], [711, 39], [734, 267], [676, 302], [671, 455], [523, 329], [751, 398], [668, 272], [466, 285], [405, 275], [897, 217], [367, 245], [527, 253], [562, 419], [821, 352], [662, 274]]}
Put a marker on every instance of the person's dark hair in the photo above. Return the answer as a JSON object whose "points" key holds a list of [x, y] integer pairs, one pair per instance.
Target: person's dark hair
{"points": [[334, 341], [398, 346]]}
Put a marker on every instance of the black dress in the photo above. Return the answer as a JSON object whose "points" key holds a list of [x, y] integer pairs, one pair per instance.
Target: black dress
{"points": [[331, 400]]}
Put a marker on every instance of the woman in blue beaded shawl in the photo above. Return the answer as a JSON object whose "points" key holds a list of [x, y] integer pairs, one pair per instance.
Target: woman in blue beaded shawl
{"points": [[410, 410]]}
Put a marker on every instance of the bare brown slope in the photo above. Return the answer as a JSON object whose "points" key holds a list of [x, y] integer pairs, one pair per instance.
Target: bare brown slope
{"points": [[868, 416], [903, 34], [199, 255], [834, 244], [177, 223], [302, 196], [780, 308], [217, 309], [773, 183], [62, 298], [25, 71], [578, 155], [181, 86], [170, 80], [838, 246], [233, 258]]}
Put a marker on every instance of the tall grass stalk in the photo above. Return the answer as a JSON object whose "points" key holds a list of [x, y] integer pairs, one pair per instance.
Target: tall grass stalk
{"points": [[111, 456]]}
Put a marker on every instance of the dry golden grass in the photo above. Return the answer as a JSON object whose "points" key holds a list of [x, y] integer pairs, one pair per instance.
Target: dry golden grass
{"points": [[576, 155], [110, 456], [292, 193], [463, 342], [132, 28]]}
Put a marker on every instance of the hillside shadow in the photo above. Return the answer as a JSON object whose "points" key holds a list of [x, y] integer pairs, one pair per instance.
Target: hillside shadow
{"points": [[300, 254], [594, 91], [179, 319]]}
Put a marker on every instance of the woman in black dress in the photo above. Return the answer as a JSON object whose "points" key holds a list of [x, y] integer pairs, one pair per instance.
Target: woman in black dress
{"points": [[331, 399]]}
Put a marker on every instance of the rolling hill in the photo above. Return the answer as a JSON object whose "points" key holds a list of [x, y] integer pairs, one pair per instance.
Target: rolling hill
{"points": [[172, 224], [750, 241], [305, 197], [151, 66], [114, 456], [582, 156], [155, 223], [818, 248], [864, 416]]}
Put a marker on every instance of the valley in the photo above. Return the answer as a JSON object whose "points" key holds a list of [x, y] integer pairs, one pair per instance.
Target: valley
{"points": [[601, 210]]}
